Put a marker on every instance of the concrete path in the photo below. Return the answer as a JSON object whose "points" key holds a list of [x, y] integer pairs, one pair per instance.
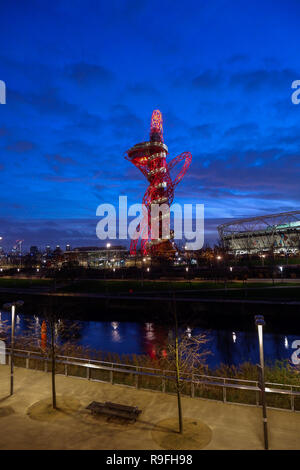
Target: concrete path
{"points": [[233, 426]]}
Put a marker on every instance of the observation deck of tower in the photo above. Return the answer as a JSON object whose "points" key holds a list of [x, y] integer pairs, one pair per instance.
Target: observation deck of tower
{"points": [[151, 159]]}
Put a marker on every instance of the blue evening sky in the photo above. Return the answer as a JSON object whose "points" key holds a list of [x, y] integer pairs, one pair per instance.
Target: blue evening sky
{"points": [[83, 77]]}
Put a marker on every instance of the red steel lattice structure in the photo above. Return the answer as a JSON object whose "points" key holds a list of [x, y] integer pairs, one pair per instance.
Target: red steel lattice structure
{"points": [[151, 159]]}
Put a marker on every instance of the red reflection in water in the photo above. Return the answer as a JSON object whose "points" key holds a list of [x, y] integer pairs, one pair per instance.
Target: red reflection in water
{"points": [[155, 341]]}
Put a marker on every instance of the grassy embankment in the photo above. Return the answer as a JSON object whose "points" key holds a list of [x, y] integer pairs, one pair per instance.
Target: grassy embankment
{"points": [[205, 289]]}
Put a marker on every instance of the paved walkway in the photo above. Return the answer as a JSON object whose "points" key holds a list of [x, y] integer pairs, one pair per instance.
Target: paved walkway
{"points": [[233, 426]]}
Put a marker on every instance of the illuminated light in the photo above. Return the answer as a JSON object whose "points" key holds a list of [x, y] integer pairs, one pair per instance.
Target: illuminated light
{"points": [[148, 269], [219, 257], [286, 343], [108, 245], [44, 335], [144, 259], [234, 337], [281, 268], [153, 353], [18, 270], [1, 269], [187, 269], [231, 268], [114, 324], [156, 125], [189, 332], [37, 270]]}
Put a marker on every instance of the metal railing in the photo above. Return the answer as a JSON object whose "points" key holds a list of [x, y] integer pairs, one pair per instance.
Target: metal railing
{"points": [[228, 390]]}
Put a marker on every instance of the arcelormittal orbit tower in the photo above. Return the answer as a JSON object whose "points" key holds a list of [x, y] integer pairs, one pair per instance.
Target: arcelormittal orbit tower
{"points": [[151, 159]]}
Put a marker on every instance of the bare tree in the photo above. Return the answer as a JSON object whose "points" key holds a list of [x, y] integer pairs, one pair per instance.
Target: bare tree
{"points": [[48, 338], [185, 355]]}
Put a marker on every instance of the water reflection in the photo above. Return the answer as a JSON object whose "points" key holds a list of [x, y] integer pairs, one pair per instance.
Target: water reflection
{"points": [[227, 346], [115, 335]]}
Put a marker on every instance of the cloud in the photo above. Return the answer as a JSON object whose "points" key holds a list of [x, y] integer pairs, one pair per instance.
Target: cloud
{"points": [[246, 129], [21, 146], [203, 130], [60, 159], [3, 131], [237, 58], [255, 80], [61, 179], [208, 79], [85, 74]]}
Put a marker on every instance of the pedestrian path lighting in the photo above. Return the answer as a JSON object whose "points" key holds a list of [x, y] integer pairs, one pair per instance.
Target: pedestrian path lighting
{"points": [[260, 322], [12, 306]]}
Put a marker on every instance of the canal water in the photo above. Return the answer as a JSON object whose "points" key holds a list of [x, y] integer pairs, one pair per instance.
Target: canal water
{"points": [[227, 346]]}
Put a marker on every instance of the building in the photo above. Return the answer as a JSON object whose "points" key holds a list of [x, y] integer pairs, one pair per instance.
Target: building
{"points": [[95, 257], [277, 233]]}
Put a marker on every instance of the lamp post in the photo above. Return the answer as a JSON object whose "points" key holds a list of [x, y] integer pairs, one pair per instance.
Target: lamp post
{"points": [[13, 306], [260, 322], [108, 245]]}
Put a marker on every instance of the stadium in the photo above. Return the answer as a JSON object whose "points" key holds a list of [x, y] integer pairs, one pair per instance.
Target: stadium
{"points": [[276, 233]]}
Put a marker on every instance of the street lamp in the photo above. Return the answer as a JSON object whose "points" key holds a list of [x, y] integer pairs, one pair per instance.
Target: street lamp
{"points": [[260, 322], [13, 306], [107, 247]]}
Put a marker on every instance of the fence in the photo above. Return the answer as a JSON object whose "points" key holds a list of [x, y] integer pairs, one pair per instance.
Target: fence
{"points": [[228, 390]]}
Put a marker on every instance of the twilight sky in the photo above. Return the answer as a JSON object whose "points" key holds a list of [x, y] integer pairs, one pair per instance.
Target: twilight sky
{"points": [[83, 77]]}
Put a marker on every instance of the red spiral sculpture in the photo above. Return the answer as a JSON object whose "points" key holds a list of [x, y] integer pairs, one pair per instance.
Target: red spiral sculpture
{"points": [[151, 159]]}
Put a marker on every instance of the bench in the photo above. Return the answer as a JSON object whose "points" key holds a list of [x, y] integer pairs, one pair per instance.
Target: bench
{"points": [[114, 410]]}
